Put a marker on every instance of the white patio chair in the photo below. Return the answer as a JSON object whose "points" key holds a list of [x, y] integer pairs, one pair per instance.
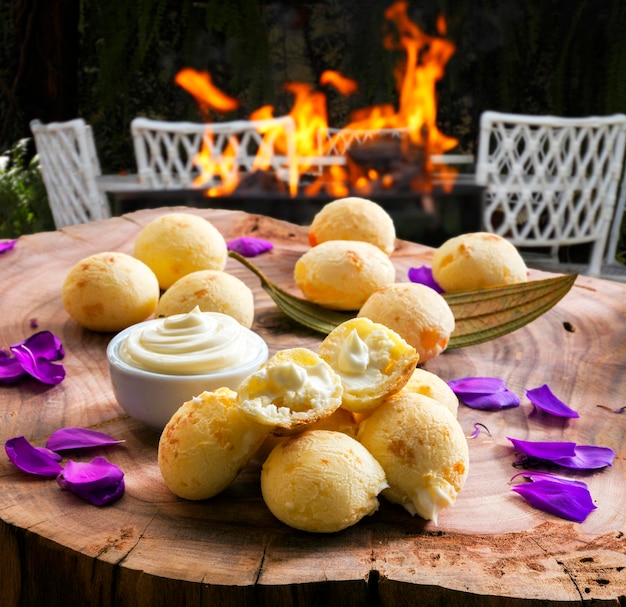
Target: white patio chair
{"points": [[334, 144], [166, 152], [70, 168], [551, 182], [611, 262]]}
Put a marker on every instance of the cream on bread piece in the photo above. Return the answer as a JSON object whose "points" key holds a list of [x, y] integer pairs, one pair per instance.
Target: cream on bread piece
{"points": [[292, 390], [422, 449], [372, 360]]}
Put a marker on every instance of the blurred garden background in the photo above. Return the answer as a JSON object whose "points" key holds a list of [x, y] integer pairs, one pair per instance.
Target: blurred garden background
{"points": [[109, 61]]}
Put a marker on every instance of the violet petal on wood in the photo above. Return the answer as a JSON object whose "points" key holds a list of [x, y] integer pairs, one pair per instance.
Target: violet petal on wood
{"points": [[79, 438], [566, 498], [249, 246], [543, 399], [30, 459], [98, 481]]}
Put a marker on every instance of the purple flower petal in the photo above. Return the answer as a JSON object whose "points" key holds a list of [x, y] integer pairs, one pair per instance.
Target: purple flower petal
{"points": [[7, 245], [41, 369], [10, 368], [98, 481], [249, 246], [57, 457], [587, 457], [424, 276], [501, 399], [565, 454], [31, 459], [565, 498], [544, 450], [486, 393], [477, 428], [44, 344], [79, 438], [477, 385], [35, 354], [544, 400]]}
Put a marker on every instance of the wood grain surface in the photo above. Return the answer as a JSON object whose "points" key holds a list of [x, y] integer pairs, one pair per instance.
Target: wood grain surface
{"points": [[152, 548]]}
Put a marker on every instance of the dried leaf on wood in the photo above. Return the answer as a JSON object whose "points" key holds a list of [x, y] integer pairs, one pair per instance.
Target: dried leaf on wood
{"points": [[480, 315]]}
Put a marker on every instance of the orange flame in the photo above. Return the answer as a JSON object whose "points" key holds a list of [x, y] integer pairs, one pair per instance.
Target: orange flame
{"points": [[426, 58], [200, 85], [344, 85], [317, 146]]}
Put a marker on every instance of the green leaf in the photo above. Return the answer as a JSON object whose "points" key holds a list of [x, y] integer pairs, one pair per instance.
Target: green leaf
{"points": [[480, 315], [485, 314]]}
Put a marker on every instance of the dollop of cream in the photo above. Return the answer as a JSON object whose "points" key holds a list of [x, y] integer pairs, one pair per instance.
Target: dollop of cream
{"points": [[287, 376], [354, 356], [190, 344], [363, 359], [288, 390], [428, 502]]}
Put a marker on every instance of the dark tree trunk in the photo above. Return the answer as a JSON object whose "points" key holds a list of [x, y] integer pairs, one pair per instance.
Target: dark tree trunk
{"points": [[46, 83]]}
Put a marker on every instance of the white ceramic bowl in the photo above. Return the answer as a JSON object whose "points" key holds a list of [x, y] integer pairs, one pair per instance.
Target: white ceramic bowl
{"points": [[153, 398]]}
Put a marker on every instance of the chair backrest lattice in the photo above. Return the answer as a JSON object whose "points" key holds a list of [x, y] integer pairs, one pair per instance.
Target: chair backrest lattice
{"points": [[69, 168], [167, 153], [337, 141], [334, 143], [616, 229], [551, 181]]}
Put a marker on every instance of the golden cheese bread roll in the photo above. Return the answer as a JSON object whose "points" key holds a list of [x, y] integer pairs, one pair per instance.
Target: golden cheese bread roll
{"points": [[176, 244], [416, 312], [205, 444], [110, 291], [342, 274], [211, 291], [321, 481], [477, 260], [422, 449], [429, 384], [354, 218], [341, 420]]}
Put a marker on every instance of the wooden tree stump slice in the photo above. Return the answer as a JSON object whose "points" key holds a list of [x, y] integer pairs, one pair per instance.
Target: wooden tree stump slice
{"points": [[151, 548]]}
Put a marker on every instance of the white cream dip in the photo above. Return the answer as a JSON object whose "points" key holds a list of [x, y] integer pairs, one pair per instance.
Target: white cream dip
{"points": [[196, 343]]}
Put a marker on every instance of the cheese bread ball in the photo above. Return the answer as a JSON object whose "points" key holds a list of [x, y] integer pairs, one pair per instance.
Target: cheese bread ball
{"points": [[416, 312], [422, 449], [477, 260], [211, 291], [429, 384], [205, 445], [372, 361], [292, 390], [342, 274], [341, 420], [176, 244], [354, 219], [321, 481], [110, 291]]}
